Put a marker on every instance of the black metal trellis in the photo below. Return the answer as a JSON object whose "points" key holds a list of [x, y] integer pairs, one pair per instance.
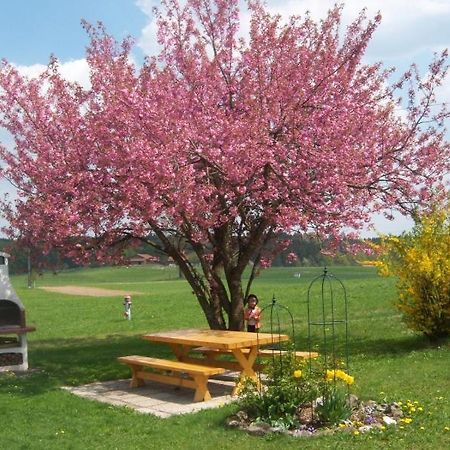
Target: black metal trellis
{"points": [[274, 318], [275, 323], [328, 309]]}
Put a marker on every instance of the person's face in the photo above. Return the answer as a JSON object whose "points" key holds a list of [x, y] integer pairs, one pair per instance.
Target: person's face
{"points": [[252, 302]]}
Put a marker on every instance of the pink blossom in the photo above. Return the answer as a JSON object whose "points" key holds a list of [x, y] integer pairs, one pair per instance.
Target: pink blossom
{"points": [[291, 258]]}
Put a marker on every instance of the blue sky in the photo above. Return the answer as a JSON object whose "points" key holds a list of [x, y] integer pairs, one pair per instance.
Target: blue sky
{"points": [[32, 30]]}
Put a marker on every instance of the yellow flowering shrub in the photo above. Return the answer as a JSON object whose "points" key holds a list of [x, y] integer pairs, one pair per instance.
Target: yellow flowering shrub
{"points": [[421, 261]]}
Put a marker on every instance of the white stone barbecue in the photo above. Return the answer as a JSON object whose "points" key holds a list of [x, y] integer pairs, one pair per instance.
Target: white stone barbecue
{"points": [[13, 329]]}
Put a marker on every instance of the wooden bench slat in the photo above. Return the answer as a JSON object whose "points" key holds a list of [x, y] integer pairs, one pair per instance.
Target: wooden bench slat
{"points": [[165, 364], [167, 379], [199, 374], [261, 352], [298, 354]]}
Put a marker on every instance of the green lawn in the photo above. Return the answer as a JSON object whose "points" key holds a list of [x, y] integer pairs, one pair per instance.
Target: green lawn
{"points": [[78, 339]]}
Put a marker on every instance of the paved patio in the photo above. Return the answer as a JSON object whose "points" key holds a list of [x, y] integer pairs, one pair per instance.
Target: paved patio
{"points": [[161, 400]]}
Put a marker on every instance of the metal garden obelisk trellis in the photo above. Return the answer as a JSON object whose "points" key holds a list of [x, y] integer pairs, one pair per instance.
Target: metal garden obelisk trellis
{"points": [[278, 325], [328, 320]]}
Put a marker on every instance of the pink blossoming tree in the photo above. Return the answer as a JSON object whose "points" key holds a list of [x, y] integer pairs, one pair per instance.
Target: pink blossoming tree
{"points": [[218, 144]]}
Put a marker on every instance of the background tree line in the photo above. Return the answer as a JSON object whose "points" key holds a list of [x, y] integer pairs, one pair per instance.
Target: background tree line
{"points": [[308, 250]]}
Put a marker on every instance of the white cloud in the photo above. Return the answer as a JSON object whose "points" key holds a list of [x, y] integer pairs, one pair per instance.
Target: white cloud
{"points": [[76, 71], [32, 71], [443, 92], [73, 71], [396, 226], [147, 6], [148, 39]]}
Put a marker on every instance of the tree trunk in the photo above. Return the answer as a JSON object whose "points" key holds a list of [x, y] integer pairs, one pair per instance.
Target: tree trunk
{"points": [[236, 318], [236, 314]]}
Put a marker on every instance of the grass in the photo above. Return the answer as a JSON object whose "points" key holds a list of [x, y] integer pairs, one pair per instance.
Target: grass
{"points": [[78, 339]]}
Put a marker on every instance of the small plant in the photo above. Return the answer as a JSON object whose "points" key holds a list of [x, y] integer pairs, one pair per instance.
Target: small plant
{"points": [[333, 406]]}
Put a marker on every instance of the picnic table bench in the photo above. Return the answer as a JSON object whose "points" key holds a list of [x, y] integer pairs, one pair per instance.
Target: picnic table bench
{"points": [[170, 372], [263, 352]]}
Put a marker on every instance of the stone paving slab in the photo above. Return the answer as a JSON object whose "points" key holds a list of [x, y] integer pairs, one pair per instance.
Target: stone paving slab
{"points": [[162, 400]]}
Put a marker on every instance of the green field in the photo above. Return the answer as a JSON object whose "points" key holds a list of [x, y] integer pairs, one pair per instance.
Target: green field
{"points": [[79, 337]]}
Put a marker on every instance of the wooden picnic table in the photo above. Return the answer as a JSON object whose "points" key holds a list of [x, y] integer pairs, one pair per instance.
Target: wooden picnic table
{"points": [[242, 345]]}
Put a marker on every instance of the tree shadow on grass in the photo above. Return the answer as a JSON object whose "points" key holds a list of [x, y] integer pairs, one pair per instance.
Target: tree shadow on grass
{"points": [[87, 360], [78, 361], [390, 346]]}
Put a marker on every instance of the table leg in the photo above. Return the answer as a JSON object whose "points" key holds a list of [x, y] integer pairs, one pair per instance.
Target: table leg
{"points": [[135, 380], [180, 351], [246, 361], [201, 393]]}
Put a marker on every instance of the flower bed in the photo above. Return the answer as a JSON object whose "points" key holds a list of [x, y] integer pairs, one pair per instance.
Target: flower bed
{"points": [[367, 416], [311, 400]]}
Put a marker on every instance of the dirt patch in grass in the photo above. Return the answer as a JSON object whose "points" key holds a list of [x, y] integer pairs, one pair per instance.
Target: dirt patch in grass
{"points": [[85, 290]]}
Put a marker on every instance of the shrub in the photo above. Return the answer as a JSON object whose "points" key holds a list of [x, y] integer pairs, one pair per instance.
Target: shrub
{"points": [[421, 260]]}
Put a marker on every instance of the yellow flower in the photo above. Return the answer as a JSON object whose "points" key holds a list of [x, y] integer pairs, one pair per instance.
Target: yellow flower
{"points": [[446, 428], [349, 379], [356, 433], [297, 374], [406, 420], [330, 375], [239, 387]]}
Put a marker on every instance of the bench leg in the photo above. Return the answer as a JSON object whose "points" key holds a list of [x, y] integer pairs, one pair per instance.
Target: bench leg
{"points": [[135, 380], [201, 392]]}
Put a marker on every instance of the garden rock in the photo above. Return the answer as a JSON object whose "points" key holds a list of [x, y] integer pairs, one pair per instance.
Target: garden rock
{"points": [[389, 420], [305, 413], [238, 420], [352, 401], [260, 429]]}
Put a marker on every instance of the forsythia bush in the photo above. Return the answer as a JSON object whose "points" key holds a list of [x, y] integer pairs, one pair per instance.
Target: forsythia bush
{"points": [[421, 260]]}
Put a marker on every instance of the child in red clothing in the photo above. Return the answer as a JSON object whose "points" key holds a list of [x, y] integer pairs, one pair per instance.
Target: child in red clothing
{"points": [[252, 314]]}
